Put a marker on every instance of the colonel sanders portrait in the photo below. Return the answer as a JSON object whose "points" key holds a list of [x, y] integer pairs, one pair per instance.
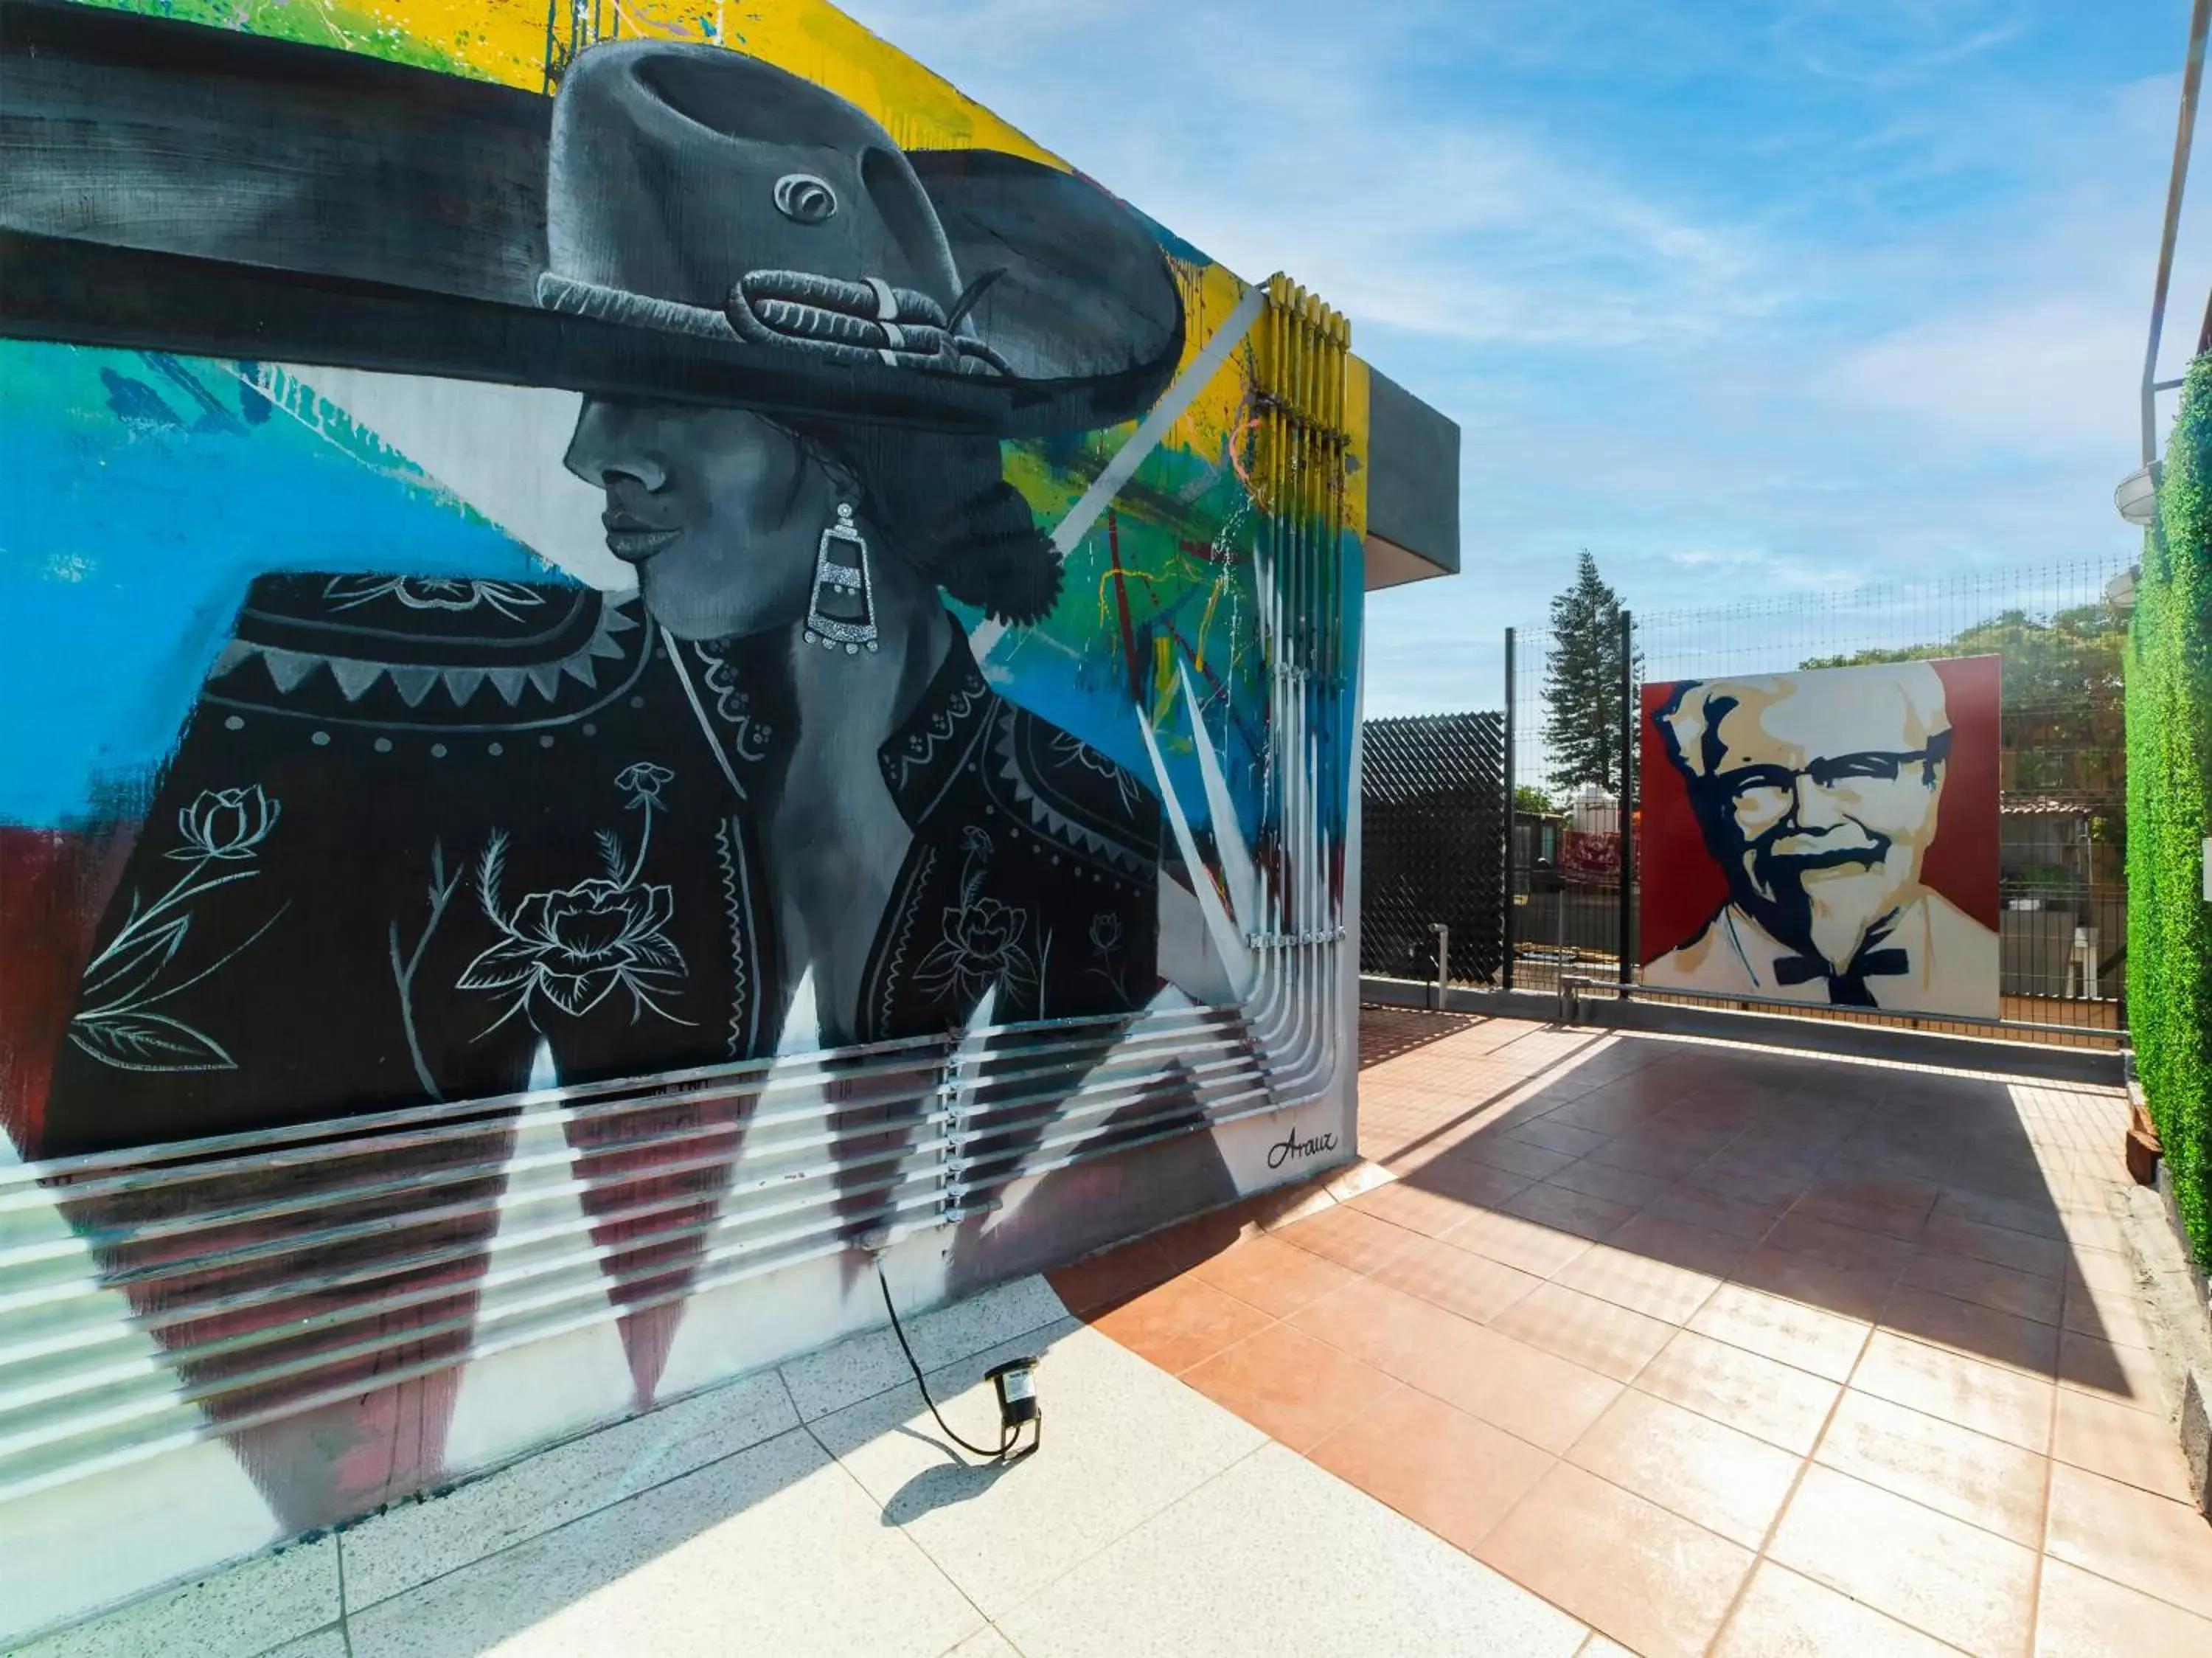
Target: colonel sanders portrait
{"points": [[1819, 794]]}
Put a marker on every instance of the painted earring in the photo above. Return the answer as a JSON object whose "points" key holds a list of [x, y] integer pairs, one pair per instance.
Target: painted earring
{"points": [[842, 611]]}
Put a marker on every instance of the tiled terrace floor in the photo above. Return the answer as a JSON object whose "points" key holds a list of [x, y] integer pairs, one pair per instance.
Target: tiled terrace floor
{"points": [[1720, 1350]]}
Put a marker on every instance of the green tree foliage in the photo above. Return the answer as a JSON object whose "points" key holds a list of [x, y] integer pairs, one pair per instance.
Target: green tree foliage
{"points": [[2169, 690], [1527, 797], [1582, 683], [2065, 726]]}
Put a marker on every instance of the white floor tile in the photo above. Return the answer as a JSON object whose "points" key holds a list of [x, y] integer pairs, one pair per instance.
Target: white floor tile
{"points": [[867, 1364], [239, 1611], [323, 1644], [414, 1542], [1123, 1440], [776, 1551], [1276, 1558], [985, 1642]]}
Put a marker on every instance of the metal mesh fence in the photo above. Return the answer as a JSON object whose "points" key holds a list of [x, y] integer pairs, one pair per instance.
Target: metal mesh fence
{"points": [[1432, 798], [2061, 904]]}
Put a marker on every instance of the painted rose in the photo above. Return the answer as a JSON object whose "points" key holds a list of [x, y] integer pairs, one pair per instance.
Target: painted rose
{"points": [[226, 824], [643, 783], [983, 942], [575, 945]]}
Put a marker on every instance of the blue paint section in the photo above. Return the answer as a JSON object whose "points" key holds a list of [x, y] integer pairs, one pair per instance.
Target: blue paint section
{"points": [[142, 494]]}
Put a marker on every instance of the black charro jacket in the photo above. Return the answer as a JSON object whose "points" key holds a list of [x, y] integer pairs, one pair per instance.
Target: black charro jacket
{"points": [[416, 826]]}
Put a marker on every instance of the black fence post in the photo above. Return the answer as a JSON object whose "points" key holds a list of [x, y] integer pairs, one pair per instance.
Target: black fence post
{"points": [[1626, 819], [1505, 910]]}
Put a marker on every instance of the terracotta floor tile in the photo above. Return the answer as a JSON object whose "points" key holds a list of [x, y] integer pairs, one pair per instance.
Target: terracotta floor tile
{"points": [[1437, 1466], [1287, 1384], [1808, 1338], [1726, 1481], [1655, 1288], [1467, 1180], [1181, 1323], [1459, 1281], [2114, 1316], [1611, 1340], [1848, 1246], [1941, 1575], [1513, 1156], [1784, 1615], [1399, 1334], [2022, 1251], [1658, 1147], [2023, 1295], [1851, 1292], [1982, 1331], [1680, 1243], [2138, 1447], [1764, 1398], [2102, 1269], [1751, 1184], [1969, 1476], [1647, 1578], [1714, 1211], [2082, 1615], [2145, 1542], [1200, 1238], [1558, 1136], [1622, 1185], [1273, 1275], [1110, 1277], [2038, 1217], [1406, 1204], [1544, 1398], [2126, 1375], [1350, 1238], [2005, 1404], [1524, 1244], [1573, 1212], [1894, 1217]]}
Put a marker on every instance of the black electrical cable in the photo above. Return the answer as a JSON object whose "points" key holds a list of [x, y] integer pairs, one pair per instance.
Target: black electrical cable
{"points": [[1007, 1439]]}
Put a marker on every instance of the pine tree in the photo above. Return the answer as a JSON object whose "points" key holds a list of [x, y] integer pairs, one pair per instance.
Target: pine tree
{"points": [[1582, 684]]}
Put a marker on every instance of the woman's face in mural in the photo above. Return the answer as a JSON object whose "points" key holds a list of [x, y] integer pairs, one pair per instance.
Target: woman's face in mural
{"points": [[720, 510]]}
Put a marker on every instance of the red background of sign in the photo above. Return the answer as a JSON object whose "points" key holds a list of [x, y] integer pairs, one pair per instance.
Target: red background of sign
{"points": [[1682, 886]]}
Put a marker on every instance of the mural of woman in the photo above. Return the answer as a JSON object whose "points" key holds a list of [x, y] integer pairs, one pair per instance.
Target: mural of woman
{"points": [[424, 839]]}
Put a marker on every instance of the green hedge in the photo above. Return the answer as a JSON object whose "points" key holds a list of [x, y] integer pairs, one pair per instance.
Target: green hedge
{"points": [[2169, 691]]}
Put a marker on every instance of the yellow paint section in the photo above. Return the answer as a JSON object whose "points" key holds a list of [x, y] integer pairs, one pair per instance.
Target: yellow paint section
{"points": [[504, 40], [1357, 392]]}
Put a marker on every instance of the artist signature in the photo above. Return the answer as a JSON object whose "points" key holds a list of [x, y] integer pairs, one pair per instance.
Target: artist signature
{"points": [[1291, 1146]]}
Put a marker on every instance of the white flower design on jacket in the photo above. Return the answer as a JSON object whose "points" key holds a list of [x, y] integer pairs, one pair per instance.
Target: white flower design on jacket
{"points": [[226, 824], [570, 949], [118, 1020], [985, 940]]}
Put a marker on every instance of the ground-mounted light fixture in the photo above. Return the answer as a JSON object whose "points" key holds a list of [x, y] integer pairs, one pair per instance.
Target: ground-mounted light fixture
{"points": [[1015, 1380]]}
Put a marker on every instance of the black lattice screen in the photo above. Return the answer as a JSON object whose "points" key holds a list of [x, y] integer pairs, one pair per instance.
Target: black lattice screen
{"points": [[1431, 792]]}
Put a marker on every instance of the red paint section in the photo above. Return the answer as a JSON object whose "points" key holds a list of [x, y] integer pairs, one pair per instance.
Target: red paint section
{"points": [[653, 1225], [53, 885], [1682, 886]]}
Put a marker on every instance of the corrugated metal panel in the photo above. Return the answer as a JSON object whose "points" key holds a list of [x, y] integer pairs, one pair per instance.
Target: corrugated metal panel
{"points": [[289, 1269]]}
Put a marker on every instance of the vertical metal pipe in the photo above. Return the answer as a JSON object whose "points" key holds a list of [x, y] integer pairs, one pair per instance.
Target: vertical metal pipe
{"points": [[1505, 914], [2192, 78], [1626, 820]]}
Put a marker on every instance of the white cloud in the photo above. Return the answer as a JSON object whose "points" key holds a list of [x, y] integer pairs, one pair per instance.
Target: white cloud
{"points": [[1874, 311]]}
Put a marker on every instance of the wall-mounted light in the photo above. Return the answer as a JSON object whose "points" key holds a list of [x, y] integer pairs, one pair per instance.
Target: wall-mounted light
{"points": [[2138, 496]]}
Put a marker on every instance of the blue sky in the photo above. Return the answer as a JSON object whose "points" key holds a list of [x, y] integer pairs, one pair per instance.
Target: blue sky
{"points": [[1749, 299]]}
